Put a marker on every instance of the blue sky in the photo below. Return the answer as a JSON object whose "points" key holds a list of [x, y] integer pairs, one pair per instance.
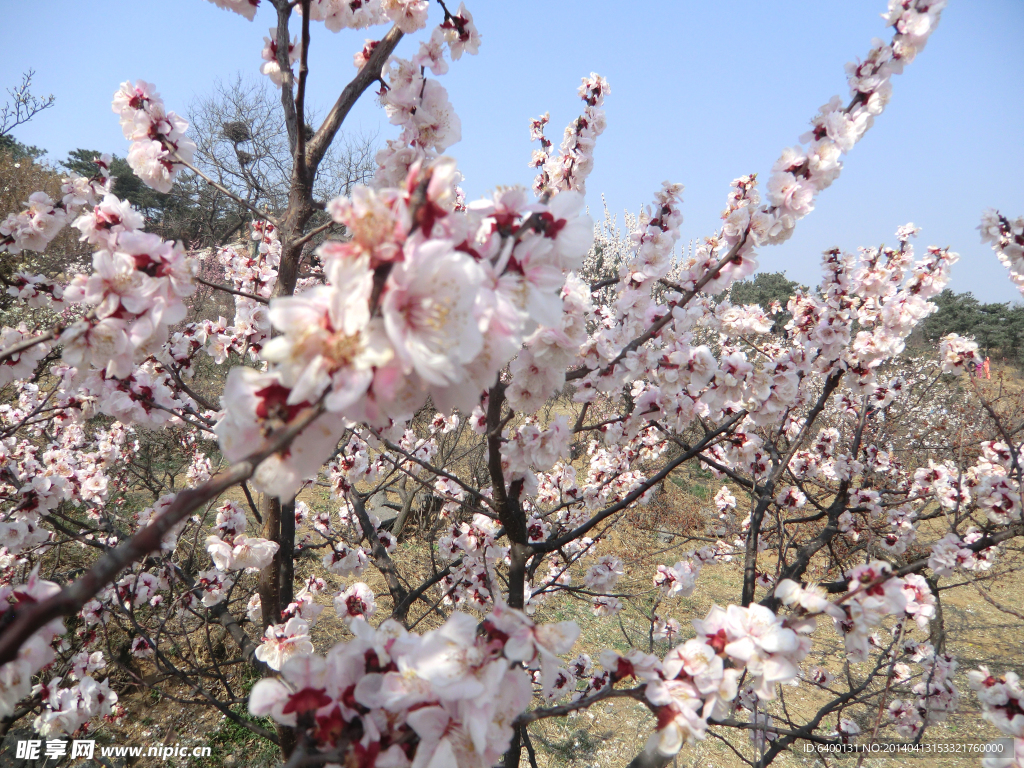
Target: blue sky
{"points": [[701, 92]]}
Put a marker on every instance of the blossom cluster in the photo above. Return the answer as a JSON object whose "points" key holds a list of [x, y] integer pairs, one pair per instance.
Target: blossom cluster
{"points": [[574, 162], [460, 293], [414, 102], [35, 227], [20, 365], [803, 171], [62, 710], [65, 710], [535, 447], [246, 8], [700, 678], [473, 545], [68, 468], [448, 697], [797, 178], [1001, 698], [1002, 704], [159, 144], [935, 695], [957, 353], [991, 483], [135, 293], [1007, 239], [252, 273], [271, 67]]}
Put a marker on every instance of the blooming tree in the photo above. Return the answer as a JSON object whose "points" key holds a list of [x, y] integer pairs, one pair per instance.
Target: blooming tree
{"points": [[520, 384]]}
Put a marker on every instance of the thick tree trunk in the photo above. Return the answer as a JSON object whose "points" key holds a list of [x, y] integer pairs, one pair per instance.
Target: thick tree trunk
{"points": [[408, 498], [510, 512], [272, 584], [518, 555], [649, 759], [936, 628], [270, 577], [750, 558], [514, 752], [287, 554]]}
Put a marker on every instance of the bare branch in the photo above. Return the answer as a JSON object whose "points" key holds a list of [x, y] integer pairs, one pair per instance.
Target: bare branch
{"points": [[368, 75], [24, 105], [71, 598]]}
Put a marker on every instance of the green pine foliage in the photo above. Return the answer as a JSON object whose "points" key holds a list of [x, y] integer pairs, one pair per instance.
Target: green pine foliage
{"points": [[764, 289], [998, 328]]}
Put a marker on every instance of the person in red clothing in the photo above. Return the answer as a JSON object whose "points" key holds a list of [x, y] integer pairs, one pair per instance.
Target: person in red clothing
{"points": [[988, 373]]}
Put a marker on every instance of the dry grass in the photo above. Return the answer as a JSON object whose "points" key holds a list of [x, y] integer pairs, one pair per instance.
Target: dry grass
{"points": [[611, 733]]}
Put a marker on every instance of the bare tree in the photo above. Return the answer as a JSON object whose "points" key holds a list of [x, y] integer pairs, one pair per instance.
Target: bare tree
{"points": [[23, 106], [242, 143]]}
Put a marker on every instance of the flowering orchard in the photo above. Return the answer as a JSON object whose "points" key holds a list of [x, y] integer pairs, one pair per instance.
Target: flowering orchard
{"points": [[519, 384]]}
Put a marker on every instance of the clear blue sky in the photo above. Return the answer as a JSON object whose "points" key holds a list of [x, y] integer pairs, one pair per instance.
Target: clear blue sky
{"points": [[702, 92]]}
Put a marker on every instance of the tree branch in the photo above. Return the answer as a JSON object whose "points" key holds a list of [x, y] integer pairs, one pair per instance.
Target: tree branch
{"points": [[369, 74], [29, 619]]}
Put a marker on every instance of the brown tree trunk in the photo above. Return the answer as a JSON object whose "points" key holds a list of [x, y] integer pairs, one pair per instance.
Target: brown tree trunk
{"points": [[270, 577], [514, 752], [647, 759], [286, 554]]}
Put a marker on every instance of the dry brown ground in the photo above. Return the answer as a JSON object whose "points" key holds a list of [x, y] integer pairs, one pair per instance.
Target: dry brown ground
{"points": [[611, 733]]}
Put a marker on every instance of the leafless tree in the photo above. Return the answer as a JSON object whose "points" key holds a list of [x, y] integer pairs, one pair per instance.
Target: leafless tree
{"points": [[23, 106], [242, 143]]}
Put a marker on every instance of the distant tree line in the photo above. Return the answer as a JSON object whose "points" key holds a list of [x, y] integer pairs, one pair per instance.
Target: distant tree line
{"points": [[769, 290], [998, 328]]}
